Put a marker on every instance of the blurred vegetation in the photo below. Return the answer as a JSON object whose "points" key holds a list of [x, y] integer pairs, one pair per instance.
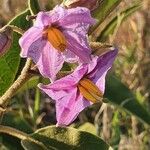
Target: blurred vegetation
{"points": [[31, 109]]}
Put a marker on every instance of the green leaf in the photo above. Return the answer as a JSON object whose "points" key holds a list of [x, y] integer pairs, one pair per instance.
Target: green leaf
{"points": [[88, 127], [104, 9], [30, 145], [111, 26], [9, 63], [60, 138], [33, 6], [119, 94]]}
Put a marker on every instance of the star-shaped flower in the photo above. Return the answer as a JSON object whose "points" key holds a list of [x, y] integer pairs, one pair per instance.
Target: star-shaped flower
{"points": [[80, 89]]}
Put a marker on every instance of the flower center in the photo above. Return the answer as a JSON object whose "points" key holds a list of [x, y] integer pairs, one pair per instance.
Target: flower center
{"points": [[89, 90], [56, 38]]}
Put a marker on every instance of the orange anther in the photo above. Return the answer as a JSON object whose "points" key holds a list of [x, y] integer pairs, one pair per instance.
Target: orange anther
{"points": [[56, 38], [89, 90]]}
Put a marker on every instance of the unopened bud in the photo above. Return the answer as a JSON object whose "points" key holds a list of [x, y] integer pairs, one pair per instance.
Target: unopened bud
{"points": [[90, 4], [5, 39]]}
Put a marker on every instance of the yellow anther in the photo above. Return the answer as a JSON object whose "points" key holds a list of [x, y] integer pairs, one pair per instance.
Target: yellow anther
{"points": [[89, 90], [56, 38]]}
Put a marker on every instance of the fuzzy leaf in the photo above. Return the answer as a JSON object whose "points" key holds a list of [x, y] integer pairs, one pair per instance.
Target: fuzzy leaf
{"points": [[60, 138], [104, 9], [110, 27], [119, 94], [33, 6], [9, 62], [88, 127]]}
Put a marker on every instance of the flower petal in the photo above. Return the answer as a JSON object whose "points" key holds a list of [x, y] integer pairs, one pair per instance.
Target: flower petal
{"points": [[28, 38], [69, 107], [35, 49], [104, 63], [75, 27], [78, 15], [57, 13], [79, 46], [70, 57], [43, 19], [101, 82], [68, 103], [50, 61], [74, 24], [64, 83]]}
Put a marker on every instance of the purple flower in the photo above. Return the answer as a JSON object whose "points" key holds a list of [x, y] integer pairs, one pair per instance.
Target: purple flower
{"points": [[80, 89], [58, 35]]}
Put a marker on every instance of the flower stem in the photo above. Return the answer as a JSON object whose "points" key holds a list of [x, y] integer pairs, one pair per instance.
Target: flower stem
{"points": [[25, 75]]}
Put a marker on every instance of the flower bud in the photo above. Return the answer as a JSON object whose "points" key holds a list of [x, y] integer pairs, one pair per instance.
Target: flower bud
{"points": [[90, 4], [5, 40]]}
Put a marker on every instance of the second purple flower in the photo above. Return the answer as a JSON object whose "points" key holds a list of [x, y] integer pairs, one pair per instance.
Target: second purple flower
{"points": [[80, 89]]}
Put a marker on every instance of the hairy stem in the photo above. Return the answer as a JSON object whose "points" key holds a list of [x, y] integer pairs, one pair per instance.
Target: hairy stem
{"points": [[25, 75]]}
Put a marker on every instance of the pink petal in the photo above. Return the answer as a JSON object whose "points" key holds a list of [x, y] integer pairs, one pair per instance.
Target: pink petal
{"points": [[101, 82], [74, 24], [69, 107], [68, 103], [35, 49], [50, 61], [78, 15], [43, 19], [65, 83], [104, 63], [78, 45], [70, 57], [57, 14], [28, 38]]}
